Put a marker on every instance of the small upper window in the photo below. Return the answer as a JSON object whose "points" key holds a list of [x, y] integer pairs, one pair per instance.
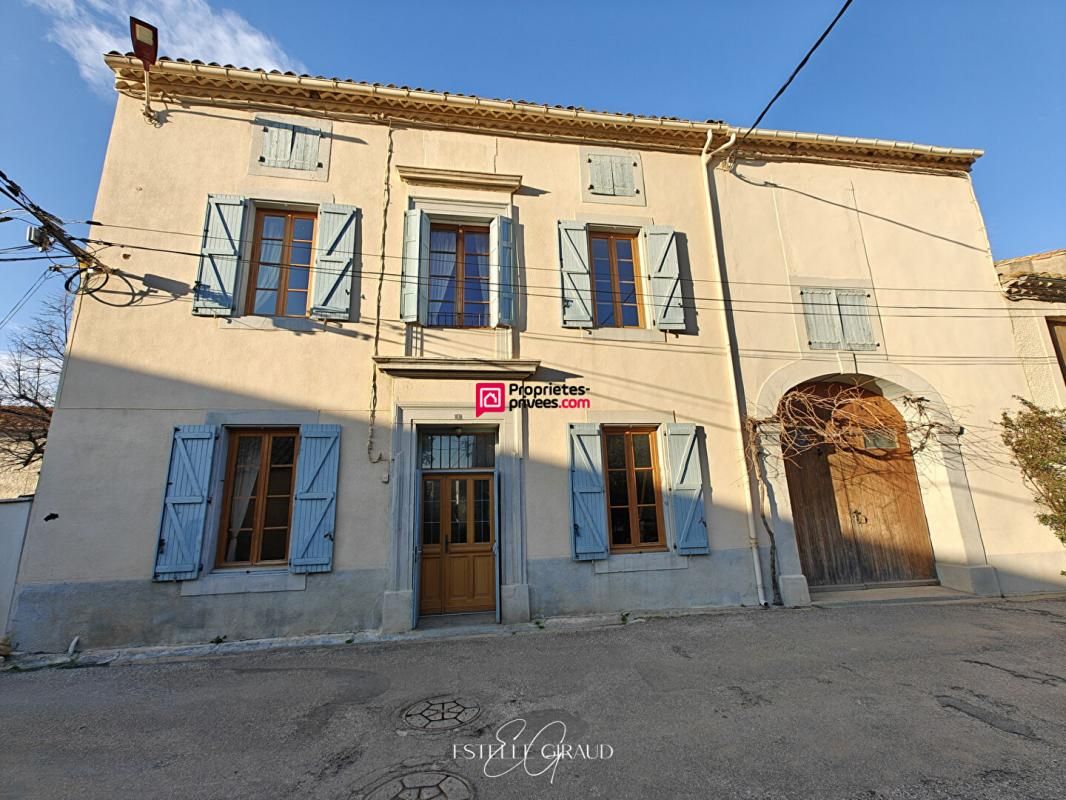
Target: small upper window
{"points": [[257, 510], [459, 276], [290, 146], [281, 265], [634, 501], [838, 319], [612, 175], [615, 273]]}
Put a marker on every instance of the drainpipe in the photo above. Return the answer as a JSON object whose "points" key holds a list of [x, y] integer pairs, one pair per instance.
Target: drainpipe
{"points": [[706, 156]]}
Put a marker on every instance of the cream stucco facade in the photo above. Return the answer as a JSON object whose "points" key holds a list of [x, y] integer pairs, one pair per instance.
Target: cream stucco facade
{"points": [[782, 213]]}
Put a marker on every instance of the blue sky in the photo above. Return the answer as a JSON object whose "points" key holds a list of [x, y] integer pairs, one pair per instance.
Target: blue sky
{"points": [[963, 73]]}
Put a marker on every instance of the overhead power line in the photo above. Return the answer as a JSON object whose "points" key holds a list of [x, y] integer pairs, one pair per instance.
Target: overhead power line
{"points": [[796, 71], [693, 301]]}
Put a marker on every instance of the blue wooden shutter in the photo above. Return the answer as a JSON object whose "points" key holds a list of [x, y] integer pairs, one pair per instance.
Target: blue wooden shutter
{"points": [[855, 323], [622, 168], [601, 174], [822, 319], [216, 279], [335, 264], [686, 489], [185, 501], [588, 509], [660, 245], [502, 271], [314, 512], [576, 276], [414, 293], [305, 143], [277, 143]]}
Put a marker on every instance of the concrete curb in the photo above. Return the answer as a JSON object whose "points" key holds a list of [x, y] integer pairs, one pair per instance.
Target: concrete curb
{"points": [[28, 662]]}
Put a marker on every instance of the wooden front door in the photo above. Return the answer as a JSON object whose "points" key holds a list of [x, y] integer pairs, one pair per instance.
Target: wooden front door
{"points": [[458, 568], [858, 513]]}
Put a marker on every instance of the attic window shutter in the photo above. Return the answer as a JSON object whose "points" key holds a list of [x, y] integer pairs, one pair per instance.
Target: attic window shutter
{"points": [[588, 513], [665, 277], [414, 295], [305, 143], [686, 489], [822, 319], [277, 143], [501, 271], [855, 322], [216, 279], [314, 510], [289, 146], [335, 264], [185, 501], [611, 175], [575, 274]]}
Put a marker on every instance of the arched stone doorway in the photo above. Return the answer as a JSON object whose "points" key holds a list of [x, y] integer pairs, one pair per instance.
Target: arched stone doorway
{"points": [[856, 502]]}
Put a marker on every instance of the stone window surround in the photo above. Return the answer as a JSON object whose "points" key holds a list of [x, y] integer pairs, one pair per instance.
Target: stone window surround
{"points": [[325, 141], [638, 199]]}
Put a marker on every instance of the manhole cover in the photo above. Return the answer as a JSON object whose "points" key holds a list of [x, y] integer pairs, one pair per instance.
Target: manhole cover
{"points": [[441, 713], [423, 786]]}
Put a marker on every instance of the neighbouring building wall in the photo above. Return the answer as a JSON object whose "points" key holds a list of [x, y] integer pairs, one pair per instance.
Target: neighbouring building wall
{"points": [[133, 373], [13, 517], [18, 481], [916, 243]]}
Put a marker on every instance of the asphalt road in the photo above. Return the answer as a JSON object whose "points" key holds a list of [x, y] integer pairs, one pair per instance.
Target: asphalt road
{"points": [[892, 701]]}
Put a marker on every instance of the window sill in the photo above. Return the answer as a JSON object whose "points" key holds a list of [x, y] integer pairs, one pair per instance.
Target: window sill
{"points": [[255, 323], [627, 334], [244, 581], [641, 562]]}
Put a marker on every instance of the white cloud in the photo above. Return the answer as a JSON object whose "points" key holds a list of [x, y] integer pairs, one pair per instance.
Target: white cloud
{"points": [[187, 29]]}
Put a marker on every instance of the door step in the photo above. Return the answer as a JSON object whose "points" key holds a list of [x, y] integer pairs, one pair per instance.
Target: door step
{"points": [[895, 594], [473, 620]]}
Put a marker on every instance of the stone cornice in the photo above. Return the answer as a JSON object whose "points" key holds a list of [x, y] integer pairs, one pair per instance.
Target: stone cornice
{"points": [[417, 367], [213, 84], [428, 176]]}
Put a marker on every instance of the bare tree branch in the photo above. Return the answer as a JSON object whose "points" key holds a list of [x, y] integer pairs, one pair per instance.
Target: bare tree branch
{"points": [[29, 378]]}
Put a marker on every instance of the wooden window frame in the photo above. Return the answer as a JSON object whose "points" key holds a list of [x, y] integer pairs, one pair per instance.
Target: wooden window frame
{"points": [[291, 215], [460, 272], [635, 545], [233, 435], [616, 292], [1060, 351]]}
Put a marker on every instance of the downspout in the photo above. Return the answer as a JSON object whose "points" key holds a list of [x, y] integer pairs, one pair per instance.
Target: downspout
{"points": [[706, 156]]}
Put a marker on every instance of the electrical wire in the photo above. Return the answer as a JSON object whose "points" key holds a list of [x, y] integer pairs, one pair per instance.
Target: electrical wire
{"points": [[694, 302], [796, 71], [527, 267], [30, 292]]}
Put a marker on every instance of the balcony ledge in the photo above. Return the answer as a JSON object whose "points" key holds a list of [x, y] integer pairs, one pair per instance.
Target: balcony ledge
{"points": [[415, 367]]}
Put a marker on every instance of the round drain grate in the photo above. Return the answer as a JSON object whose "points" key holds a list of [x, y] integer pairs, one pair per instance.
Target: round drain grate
{"points": [[441, 713], [423, 786]]}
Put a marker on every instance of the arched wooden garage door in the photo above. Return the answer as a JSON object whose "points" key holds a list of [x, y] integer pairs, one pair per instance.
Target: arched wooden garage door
{"points": [[856, 502]]}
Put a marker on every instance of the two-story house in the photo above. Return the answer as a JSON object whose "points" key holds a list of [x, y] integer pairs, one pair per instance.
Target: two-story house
{"points": [[373, 354]]}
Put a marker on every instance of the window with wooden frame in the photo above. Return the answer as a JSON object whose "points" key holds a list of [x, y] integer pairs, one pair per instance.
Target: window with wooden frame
{"points": [[1057, 329], [257, 502], [616, 280], [634, 498], [458, 276], [281, 263]]}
